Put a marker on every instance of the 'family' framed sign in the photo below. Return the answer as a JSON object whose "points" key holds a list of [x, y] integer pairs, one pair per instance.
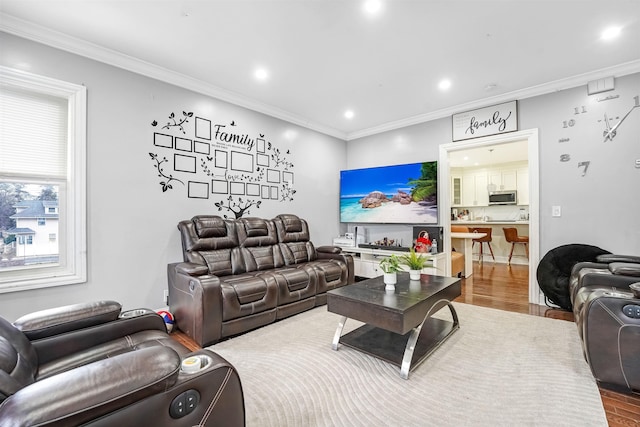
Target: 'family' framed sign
{"points": [[486, 121]]}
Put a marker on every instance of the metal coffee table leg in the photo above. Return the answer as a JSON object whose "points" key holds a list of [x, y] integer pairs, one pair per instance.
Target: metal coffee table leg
{"points": [[336, 336], [406, 367]]}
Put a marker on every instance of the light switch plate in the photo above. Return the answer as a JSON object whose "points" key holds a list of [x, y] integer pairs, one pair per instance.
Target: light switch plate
{"points": [[556, 211]]}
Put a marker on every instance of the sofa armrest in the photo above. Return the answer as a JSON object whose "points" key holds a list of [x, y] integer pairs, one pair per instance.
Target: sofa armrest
{"points": [[608, 258], [192, 269], [330, 252], [54, 321], [91, 391], [329, 249], [196, 304]]}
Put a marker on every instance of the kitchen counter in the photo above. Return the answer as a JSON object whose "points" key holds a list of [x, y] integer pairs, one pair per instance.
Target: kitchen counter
{"points": [[492, 222], [499, 244]]}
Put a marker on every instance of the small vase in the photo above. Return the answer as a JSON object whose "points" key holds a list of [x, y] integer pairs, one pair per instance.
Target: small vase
{"points": [[414, 274], [390, 280]]}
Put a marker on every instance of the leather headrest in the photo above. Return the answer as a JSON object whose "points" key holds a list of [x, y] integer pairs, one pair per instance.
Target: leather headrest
{"points": [[209, 226], [255, 227], [292, 223]]}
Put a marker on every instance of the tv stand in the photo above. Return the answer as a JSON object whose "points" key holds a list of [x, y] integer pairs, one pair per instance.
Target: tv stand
{"points": [[366, 261]]}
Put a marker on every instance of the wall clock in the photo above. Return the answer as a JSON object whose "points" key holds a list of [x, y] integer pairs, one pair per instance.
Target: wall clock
{"points": [[602, 113]]}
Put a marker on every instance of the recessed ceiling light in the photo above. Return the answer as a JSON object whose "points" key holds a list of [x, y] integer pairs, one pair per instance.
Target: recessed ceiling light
{"points": [[349, 114], [444, 84], [261, 74], [611, 33], [372, 7]]}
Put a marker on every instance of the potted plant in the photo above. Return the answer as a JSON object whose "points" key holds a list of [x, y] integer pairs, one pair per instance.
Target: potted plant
{"points": [[415, 261], [390, 267]]}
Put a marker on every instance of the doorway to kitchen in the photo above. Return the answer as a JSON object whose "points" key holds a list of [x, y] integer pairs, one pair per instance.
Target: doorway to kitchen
{"points": [[445, 192]]}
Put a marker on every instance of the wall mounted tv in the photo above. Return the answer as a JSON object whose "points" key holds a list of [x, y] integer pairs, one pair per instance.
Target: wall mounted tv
{"points": [[400, 194]]}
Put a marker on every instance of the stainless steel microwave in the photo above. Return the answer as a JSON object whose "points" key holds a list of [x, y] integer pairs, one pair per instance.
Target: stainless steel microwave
{"points": [[503, 197]]}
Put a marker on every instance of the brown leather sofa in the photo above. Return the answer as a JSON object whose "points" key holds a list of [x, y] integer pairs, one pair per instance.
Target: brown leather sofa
{"points": [[91, 364], [606, 304], [241, 274]]}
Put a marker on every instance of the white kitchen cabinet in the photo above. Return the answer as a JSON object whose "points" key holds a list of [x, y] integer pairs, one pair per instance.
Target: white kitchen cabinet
{"points": [[456, 190], [474, 189], [523, 186], [503, 179]]}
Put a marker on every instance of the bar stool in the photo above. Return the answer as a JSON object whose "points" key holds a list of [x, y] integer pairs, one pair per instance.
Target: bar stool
{"points": [[486, 239], [511, 234]]}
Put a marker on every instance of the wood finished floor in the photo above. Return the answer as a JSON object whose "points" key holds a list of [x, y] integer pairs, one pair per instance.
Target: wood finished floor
{"points": [[506, 288]]}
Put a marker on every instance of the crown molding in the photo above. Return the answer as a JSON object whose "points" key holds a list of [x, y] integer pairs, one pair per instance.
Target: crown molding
{"points": [[543, 89], [28, 30], [40, 34]]}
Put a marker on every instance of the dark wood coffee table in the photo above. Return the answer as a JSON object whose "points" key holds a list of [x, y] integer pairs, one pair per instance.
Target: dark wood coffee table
{"points": [[398, 325]]}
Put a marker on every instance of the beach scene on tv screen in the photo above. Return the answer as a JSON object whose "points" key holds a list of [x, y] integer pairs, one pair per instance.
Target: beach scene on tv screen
{"points": [[390, 194]]}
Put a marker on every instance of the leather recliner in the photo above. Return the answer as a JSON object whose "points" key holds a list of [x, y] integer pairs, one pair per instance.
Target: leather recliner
{"points": [[92, 364], [607, 313]]}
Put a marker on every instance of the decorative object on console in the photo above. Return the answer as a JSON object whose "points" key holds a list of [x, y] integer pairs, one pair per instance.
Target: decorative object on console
{"points": [[423, 237], [398, 194]]}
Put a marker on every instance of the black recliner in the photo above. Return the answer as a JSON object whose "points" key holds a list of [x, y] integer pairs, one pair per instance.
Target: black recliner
{"points": [[91, 364], [606, 306]]}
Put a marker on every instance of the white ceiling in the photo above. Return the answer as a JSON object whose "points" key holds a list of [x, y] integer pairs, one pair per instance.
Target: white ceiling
{"points": [[490, 156], [327, 56]]}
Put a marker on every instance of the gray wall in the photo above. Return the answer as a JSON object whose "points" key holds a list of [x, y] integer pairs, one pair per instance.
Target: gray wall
{"points": [[600, 208], [132, 232]]}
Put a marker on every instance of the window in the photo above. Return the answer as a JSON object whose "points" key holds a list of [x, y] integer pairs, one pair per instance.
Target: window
{"points": [[42, 170]]}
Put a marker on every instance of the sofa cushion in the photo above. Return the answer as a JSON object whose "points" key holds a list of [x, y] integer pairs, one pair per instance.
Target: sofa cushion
{"points": [[247, 294]]}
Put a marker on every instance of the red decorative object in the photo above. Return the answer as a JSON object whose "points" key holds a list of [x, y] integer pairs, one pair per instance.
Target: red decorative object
{"points": [[423, 243]]}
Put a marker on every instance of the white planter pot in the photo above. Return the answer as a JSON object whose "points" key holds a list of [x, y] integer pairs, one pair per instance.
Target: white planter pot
{"points": [[390, 280], [414, 274]]}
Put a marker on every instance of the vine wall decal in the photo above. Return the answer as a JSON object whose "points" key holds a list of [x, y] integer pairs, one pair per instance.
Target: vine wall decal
{"points": [[244, 170], [166, 185]]}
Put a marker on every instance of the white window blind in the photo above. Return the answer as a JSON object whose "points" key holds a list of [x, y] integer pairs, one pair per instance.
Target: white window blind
{"points": [[33, 136]]}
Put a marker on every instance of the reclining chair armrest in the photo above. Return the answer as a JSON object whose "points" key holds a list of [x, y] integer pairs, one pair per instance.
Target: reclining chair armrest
{"points": [[46, 323], [196, 303], [625, 269], [94, 390], [609, 258], [334, 252], [192, 269], [609, 281], [56, 346]]}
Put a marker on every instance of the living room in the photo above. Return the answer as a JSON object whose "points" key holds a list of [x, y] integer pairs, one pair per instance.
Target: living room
{"points": [[131, 216]]}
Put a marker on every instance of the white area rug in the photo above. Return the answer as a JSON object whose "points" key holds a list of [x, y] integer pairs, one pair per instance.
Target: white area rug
{"points": [[498, 369]]}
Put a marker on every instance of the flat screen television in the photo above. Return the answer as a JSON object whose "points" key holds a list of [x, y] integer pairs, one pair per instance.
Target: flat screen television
{"points": [[399, 194]]}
